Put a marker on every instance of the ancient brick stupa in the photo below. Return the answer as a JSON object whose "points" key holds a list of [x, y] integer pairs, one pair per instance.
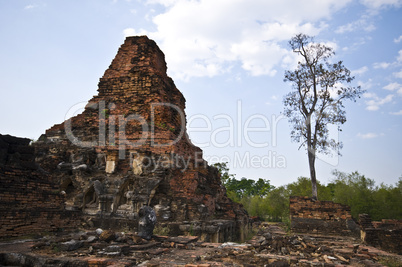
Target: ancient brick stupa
{"points": [[129, 148]]}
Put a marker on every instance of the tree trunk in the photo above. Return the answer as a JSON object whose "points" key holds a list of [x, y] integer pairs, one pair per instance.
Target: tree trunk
{"points": [[311, 157], [311, 163]]}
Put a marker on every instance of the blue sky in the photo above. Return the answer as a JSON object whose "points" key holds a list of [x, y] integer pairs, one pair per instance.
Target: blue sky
{"points": [[228, 59]]}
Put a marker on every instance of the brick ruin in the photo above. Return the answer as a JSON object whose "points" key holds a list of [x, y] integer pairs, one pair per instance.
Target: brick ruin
{"points": [[327, 217], [29, 202], [386, 234], [129, 148], [323, 217]]}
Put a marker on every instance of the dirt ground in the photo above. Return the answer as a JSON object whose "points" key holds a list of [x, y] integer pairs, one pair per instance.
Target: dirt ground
{"points": [[270, 246]]}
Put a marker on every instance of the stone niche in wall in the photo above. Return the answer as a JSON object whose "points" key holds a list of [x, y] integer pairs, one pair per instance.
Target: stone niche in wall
{"points": [[129, 148]]}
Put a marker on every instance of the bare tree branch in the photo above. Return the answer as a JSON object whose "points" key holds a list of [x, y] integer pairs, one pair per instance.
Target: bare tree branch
{"points": [[316, 100]]}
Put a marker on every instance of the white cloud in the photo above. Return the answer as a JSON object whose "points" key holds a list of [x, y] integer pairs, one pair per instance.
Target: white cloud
{"points": [[163, 2], [208, 37], [367, 135], [386, 65], [133, 32], [398, 113], [377, 4], [394, 87], [375, 102], [369, 95], [398, 74], [365, 85], [398, 40], [399, 57], [29, 7], [381, 65], [364, 23], [360, 71]]}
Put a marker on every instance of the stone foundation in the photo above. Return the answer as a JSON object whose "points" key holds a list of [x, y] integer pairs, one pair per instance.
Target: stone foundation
{"points": [[216, 231], [323, 217]]}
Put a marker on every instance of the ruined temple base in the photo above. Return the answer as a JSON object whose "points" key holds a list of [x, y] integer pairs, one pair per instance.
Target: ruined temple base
{"points": [[321, 217], [215, 231]]}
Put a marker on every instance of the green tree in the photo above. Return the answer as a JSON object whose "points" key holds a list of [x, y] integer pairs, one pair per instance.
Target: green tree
{"points": [[319, 89], [302, 187], [249, 187], [387, 202], [354, 190], [278, 204], [363, 196], [262, 187], [223, 170]]}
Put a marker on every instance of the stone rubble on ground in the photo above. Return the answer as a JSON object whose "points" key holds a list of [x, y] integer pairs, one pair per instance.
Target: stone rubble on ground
{"points": [[270, 246]]}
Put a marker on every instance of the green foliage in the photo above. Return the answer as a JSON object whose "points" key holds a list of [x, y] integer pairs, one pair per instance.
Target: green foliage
{"points": [[56, 249], [233, 196], [363, 196], [224, 172], [249, 187], [391, 261], [105, 113], [161, 230], [302, 187], [161, 125], [278, 204], [262, 199]]}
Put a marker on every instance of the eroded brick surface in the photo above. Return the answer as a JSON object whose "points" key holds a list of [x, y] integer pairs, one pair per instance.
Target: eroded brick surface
{"points": [[129, 148], [386, 234], [29, 202], [308, 215]]}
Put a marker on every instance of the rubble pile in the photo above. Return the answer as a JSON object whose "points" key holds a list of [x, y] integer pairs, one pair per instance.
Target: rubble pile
{"points": [[271, 246]]}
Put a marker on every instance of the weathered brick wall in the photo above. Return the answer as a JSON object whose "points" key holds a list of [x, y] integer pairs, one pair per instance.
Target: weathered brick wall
{"points": [[324, 217], [386, 234], [137, 150], [136, 84], [29, 203]]}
